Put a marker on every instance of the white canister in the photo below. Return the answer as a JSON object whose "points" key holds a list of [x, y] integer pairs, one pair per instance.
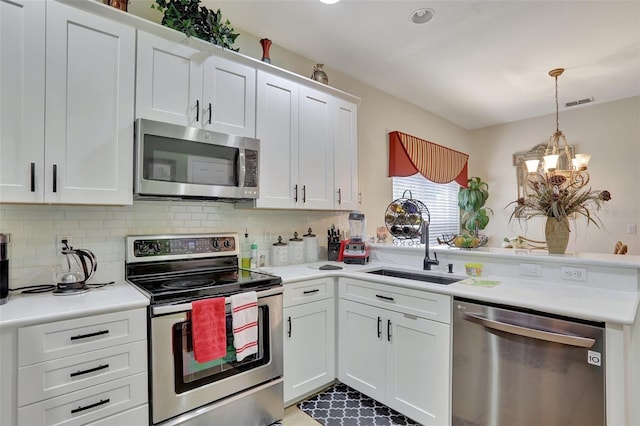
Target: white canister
{"points": [[296, 249], [279, 253], [310, 247]]}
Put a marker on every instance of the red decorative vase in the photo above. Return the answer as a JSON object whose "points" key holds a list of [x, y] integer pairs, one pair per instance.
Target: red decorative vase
{"points": [[266, 44]]}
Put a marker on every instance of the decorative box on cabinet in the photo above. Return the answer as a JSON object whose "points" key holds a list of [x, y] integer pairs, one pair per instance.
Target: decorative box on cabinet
{"points": [[180, 84], [309, 337], [68, 135], [394, 346], [83, 370]]}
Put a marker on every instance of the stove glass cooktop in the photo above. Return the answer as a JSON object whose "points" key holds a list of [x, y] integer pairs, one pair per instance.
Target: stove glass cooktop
{"points": [[186, 287]]}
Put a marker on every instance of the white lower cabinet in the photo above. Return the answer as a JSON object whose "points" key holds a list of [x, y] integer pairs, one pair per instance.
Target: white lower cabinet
{"points": [[89, 370], [309, 337], [392, 349]]}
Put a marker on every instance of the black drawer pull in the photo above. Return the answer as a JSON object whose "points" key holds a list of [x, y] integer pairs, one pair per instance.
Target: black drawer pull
{"points": [[304, 193], [55, 178], [86, 336], [311, 291], [295, 197], [33, 177], [289, 330], [197, 109], [210, 112], [389, 330], [379, 296], [88, 407], [91, 370], [379, 331]]}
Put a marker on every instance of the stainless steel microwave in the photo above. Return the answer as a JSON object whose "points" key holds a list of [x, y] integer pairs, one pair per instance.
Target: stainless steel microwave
{"points": [[185, 162]]}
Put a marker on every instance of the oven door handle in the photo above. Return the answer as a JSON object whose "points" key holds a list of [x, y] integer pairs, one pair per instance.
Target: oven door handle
{"points": [[182, 307], [566, 339]]}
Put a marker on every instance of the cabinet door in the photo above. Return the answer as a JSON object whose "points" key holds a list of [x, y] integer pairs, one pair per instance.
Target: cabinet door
{"points": [[277, 129], [169, 81], [89, 108], [309, 348], [229, 97], [315, 155], [362, 341], [345, 154], [418, 369], [22, 55]]}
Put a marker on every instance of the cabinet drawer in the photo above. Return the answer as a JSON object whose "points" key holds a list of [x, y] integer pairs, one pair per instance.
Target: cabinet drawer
{"points": [[87, 405], [308, 291], [139, 416], [52, 378], [423, 304], [45, 342]]}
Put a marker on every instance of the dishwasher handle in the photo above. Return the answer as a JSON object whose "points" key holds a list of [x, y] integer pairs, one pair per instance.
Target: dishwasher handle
{"points": [[565, 339]]}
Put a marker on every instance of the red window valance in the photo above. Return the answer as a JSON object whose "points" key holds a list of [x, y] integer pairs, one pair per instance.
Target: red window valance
{"points": [[409, 155]]}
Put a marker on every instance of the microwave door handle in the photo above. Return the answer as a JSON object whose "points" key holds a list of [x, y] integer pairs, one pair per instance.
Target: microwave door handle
{"points": [[242, 170], [583, 342]]}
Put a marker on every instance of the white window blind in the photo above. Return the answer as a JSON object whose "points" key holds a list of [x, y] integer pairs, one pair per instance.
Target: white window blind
{"points": [[440, 199]]}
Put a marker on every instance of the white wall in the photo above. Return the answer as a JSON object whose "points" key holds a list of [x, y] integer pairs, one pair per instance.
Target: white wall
{"points": [[609, 131]]}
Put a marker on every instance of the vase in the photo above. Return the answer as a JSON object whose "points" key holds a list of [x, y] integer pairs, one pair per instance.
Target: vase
{"points": [[319, 74], [557, 233], [266, 44]]}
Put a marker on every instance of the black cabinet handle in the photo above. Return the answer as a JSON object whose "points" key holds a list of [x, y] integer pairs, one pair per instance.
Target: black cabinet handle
{"points": [[295, 197], [86, 336], [379, 330], [55, 178], [339, 196], [90, 370], [87, 407], [210, 112], [390, 299], [311, 291], [289, 323], [33, 177], [389, 330], [197, 109], [304, 193]]}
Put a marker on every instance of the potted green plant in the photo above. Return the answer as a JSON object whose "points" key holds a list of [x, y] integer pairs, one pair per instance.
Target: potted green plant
{"points": [[471, 201], [189, 17]]}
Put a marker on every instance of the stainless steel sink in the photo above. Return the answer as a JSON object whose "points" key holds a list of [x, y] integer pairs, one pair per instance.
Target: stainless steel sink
{"points": [[417, 276]]}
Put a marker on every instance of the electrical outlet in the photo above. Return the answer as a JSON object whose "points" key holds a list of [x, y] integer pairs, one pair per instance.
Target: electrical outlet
{"points": [[632, 228], [268, 236], [573, 274], [60, 242]]}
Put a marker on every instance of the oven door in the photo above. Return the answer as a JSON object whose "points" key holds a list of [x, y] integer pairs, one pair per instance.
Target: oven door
{"points": [[179, 384]]}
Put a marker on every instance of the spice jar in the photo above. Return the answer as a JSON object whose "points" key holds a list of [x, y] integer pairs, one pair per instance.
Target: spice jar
{"points": [[296, 249], [279, 253], [310, 247]]}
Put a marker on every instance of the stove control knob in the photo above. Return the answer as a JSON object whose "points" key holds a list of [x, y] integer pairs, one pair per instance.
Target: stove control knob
{"points": [[215, 243], [227, 243]]}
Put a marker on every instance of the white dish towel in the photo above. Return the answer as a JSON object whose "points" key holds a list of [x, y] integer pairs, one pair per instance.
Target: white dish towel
{"points": [[244, 311]]}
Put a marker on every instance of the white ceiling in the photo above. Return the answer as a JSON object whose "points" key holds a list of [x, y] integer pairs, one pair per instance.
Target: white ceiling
{"points": [[477, 63]]}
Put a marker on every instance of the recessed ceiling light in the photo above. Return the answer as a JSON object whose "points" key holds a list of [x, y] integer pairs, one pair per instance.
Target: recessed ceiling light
{"points": [[422, 16], [329, 1]]}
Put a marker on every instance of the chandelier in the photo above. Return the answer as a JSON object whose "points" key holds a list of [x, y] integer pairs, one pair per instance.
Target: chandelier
{"points": [[556, 163]]}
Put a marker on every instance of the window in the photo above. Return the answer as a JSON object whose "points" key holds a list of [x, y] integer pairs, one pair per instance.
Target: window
{"points": [[440, 199]]}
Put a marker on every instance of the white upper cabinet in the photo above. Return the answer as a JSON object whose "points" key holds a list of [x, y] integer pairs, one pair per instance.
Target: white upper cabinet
{"points": [[315, 154], [22, 100], [308, 157], [182, 85], [345, 154], [277, 129], [81, 153]]}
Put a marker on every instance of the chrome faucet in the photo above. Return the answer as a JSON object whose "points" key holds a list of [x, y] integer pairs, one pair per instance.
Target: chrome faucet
{"points": [[424, 239]]}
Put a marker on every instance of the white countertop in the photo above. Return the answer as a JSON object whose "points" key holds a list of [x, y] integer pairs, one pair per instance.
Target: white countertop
{"points": [[591, 303], [26, 309]]}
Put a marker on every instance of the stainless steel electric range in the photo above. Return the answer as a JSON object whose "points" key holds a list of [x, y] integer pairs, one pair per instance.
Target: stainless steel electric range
{"points": [[173, 271]]}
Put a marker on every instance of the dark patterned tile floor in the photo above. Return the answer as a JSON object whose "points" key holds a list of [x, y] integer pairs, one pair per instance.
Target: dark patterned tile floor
{"points": [[342, 406]]}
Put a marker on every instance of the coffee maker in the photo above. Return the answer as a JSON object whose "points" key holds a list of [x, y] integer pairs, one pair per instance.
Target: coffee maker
{"points": [[356, 249]]}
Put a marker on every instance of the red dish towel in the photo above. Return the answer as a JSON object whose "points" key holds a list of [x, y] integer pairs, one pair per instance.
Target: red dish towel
{"points": [[208, 329], [244, 308]]}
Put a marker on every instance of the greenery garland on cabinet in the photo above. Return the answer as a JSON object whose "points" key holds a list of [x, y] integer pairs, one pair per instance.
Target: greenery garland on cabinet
{"points": [[189, 17]]}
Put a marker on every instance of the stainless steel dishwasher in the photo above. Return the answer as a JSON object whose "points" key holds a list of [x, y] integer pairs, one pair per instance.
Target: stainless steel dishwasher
{"points": [[518, 367]]}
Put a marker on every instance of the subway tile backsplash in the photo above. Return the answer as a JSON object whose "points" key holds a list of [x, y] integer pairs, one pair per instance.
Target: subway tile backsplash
{"points": [[102, 229]]}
